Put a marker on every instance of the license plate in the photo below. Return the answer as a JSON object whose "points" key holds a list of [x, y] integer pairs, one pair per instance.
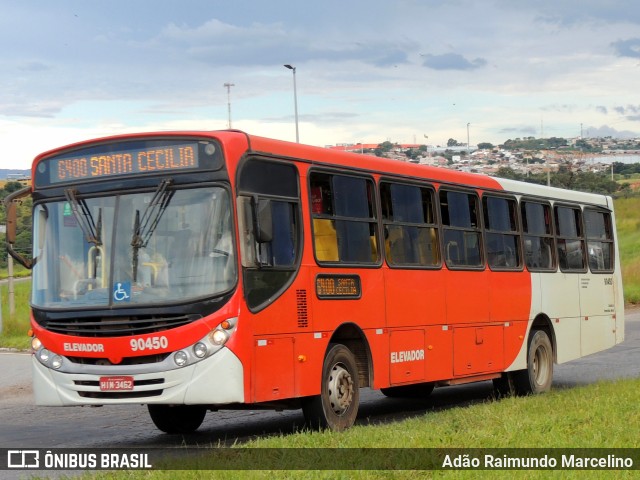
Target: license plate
{"points": [[114, 384]]}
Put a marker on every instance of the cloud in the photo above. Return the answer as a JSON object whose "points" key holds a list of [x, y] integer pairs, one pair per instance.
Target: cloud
{"points": [[218, 43], [568, 13], [452, 61], [607, 131], [34, 67], [566, 108], [602, 109], [326, 118], [24, 108], [518, 131], [627, 48], [627, 109]]}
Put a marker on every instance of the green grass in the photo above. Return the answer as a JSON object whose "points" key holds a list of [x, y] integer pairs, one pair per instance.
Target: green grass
{"points": [[602, 415], [15, 327], [628, 227], [18, 272]]}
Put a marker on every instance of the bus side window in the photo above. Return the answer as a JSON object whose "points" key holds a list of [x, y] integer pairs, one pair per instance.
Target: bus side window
{"points": [[539, 245], [461, 229], [343, 217], [270, 228], [411, 235], [599, 240], [502, 236], [282, 244], [570, 238], [324, 230]]}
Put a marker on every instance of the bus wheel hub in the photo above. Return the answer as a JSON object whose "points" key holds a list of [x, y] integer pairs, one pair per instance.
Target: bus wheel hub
{"points": [[340, 387]]}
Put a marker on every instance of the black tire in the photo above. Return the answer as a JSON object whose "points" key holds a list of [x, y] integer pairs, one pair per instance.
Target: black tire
{"points": [[336, 407], [538, 376], [503, 386], [178, 418], [419, 390]]}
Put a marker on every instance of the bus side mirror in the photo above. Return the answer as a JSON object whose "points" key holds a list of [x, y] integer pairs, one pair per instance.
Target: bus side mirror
{"points": [[10, 206], [263, 221], [11, 222]]}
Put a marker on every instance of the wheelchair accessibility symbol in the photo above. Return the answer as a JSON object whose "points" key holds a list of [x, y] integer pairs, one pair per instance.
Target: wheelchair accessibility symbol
{"points": [[122, 292]]}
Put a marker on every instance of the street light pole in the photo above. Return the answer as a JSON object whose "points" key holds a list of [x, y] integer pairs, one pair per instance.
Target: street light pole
{"points": [[295, 99], [468, 144], [229, 85]]}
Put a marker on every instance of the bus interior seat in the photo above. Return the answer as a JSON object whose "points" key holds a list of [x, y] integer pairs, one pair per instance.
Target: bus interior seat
{"points": [[452, 252], [326, 240]]}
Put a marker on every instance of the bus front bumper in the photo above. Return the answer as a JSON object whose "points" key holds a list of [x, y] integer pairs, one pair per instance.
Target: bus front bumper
{"points": [[216, 380]]}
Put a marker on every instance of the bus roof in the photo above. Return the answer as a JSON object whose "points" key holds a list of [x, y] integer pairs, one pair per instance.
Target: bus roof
{"points": [[340, 159]]}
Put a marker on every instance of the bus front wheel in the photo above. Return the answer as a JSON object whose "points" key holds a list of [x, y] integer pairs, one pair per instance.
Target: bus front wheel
{"points": [[178, 418], [336, 407], [538, 375]]}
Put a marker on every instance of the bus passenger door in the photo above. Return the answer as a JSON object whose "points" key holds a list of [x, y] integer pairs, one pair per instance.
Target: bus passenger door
{"points": [[598, 313], [598, 289]]}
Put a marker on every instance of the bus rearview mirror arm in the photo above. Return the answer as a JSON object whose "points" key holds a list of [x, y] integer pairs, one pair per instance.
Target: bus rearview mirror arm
{"points": [[10, 206]]}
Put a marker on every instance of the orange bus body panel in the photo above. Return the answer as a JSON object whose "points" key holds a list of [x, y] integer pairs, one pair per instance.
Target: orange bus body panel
{"points": [[401, 310]]}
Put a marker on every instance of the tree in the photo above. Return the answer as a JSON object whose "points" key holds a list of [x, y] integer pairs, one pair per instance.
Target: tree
{"points": [[453, 143], [508, 172], [485, 146], [385, 147]]}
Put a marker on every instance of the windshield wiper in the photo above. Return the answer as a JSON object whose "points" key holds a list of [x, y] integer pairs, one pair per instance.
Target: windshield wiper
{"points": [[144, 226], [92, 230]]}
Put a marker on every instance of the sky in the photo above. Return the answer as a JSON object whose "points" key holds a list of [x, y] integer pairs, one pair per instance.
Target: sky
{"points": [[367, 71]]}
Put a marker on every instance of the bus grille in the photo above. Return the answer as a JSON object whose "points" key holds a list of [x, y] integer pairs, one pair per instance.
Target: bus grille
{"points": [[120, 395], [118, 326]]}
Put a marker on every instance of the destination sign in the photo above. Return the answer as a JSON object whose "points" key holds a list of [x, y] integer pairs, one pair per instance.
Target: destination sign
{"points": [[129, 159], [126, 162], [338, 287]]}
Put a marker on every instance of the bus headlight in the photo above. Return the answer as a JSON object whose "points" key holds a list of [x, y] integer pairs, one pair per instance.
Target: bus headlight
{"points": [[35, 344], [44, 355], [218, 337], [200, 350], [211, 343], [180, 358], [56, 361]]}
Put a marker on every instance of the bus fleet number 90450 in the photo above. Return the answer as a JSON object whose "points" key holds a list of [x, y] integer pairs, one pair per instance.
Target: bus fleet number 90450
{"points": [[151, 343]]}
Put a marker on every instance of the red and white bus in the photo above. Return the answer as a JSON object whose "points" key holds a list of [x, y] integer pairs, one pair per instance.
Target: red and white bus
{"points": [[197, 271]]}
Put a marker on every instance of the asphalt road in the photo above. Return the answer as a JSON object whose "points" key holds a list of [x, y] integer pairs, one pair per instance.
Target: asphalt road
{"points": [[23, 425]]}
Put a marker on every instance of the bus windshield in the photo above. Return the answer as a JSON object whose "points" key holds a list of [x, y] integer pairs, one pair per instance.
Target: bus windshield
{"points": [[133, 249]]}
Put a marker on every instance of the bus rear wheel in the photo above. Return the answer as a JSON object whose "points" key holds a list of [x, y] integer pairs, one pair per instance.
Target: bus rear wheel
{"points": [[178, 418], [538, 376], [336, 407]]}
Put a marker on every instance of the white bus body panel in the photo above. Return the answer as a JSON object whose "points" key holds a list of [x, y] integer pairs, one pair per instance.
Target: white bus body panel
{"points": [[217, 380], [586, 310]]}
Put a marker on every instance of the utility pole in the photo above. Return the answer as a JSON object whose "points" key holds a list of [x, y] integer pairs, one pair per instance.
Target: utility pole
{"points": [[468, 144], [12, 296], [228, 86]]}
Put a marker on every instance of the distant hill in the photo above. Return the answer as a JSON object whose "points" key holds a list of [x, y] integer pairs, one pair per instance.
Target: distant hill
{"points": [[7, 173]]}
